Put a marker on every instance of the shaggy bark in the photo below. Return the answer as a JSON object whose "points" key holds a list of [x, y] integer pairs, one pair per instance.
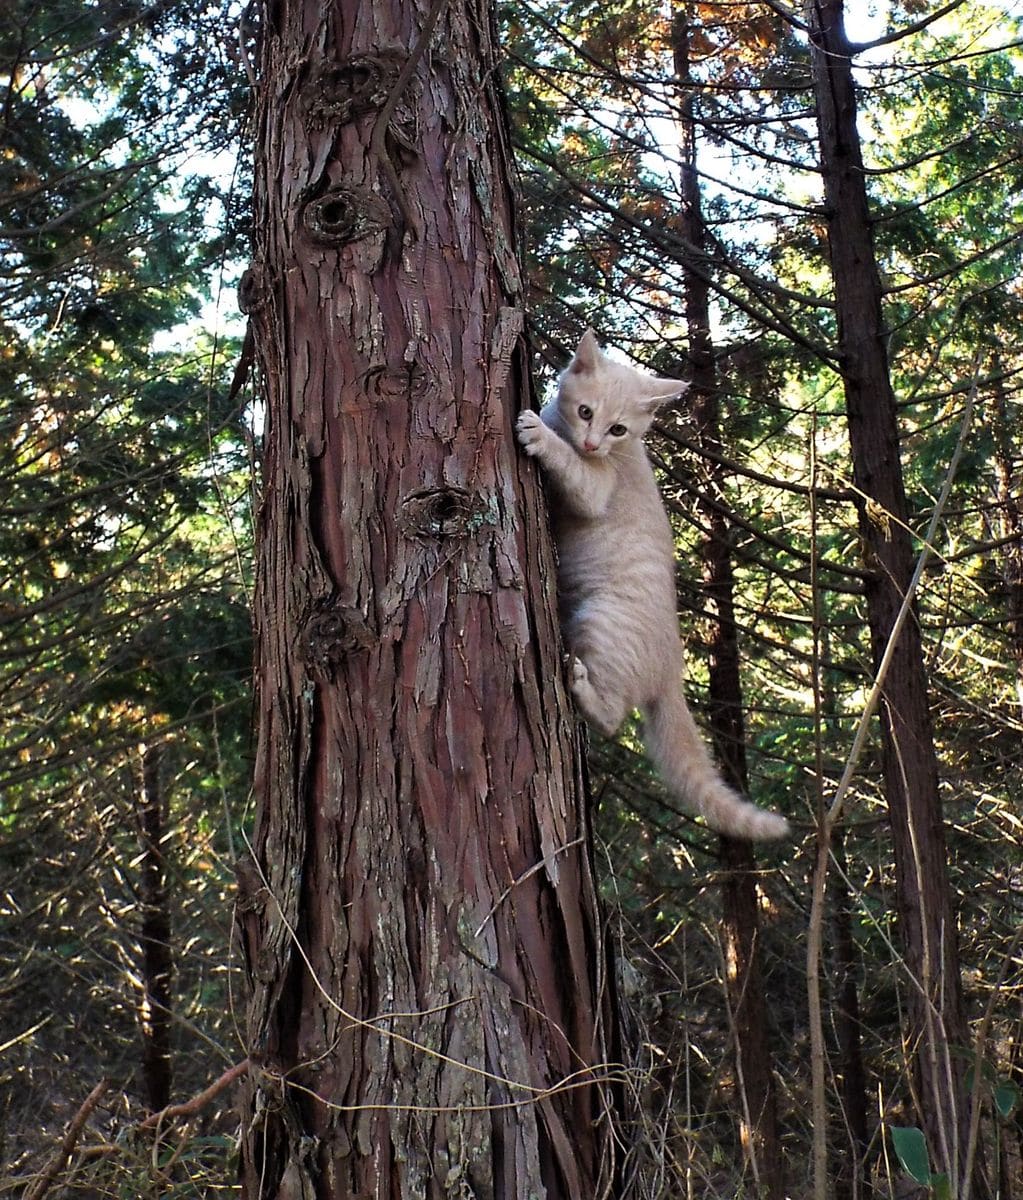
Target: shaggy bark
{"points": [[429, 1014]]}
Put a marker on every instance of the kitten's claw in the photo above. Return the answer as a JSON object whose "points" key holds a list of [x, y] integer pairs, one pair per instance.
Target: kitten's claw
{"points": [[578, 676], [530, 431], [604, 714]]}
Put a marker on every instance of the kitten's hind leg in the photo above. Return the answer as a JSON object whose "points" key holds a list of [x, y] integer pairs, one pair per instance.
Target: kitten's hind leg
{"points": [[605, 713]]}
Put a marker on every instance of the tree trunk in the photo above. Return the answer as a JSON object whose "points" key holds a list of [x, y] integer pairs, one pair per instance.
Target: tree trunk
{"points": [[430, 1012], [740, 922], [852, 1177], [909, 763], [1010, 523], [157, 967]]}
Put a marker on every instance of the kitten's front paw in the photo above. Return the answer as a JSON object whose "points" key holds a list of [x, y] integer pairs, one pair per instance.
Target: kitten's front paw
{"points": [[531, 431]]}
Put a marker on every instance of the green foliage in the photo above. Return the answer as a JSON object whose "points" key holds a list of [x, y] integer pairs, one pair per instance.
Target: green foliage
{"points": [[911, 1148], [124, 485], [1004, 1093]]}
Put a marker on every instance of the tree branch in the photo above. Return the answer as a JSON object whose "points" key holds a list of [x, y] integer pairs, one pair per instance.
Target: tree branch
{"points": [[45, 1181], [188, 1107], [907, 30]]}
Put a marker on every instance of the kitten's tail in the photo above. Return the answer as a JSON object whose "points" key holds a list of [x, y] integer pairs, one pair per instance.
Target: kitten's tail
{"points": [[681, 755]]}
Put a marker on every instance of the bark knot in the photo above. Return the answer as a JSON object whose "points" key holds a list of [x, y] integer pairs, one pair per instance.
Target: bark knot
{"points": [[443, 513], [404, 381], [341, 90], [253, 288], [331, 634], [345, 214], [252, 893]]}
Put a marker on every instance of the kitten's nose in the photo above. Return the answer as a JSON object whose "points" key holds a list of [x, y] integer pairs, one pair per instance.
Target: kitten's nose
{"points": [[590, 446]]}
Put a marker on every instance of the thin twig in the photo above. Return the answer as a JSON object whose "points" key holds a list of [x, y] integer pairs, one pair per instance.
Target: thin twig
{"points": [[187, 1107], [59, 1161], [814, 932], [530, 871]]}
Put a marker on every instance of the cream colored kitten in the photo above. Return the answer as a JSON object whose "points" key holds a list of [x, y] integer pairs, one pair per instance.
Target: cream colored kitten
{"points": [[616, 575]]}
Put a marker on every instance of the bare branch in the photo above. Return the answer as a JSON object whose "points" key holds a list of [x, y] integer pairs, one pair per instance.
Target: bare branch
{"points": [[59, 1161], [188, 1108], [907, 30]]}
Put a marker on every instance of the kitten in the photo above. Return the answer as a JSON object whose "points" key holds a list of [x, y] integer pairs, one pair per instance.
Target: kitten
{"points": [[616, 575]]}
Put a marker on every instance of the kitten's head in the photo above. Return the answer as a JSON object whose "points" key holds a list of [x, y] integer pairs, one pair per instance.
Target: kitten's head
{"points": [[605, 404]]}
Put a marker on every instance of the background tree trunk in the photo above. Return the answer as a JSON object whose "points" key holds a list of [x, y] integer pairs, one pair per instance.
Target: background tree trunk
{"points": [[157, 967], [909, 762], [852, 1175], [740, 922], [429, 1005], [1009, 520]]}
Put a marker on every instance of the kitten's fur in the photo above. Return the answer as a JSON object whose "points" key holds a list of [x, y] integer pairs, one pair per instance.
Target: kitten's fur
{"points": [[616, 575]]}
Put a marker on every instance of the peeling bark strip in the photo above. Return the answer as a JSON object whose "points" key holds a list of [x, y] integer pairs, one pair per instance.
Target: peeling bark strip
{"points": [[429, 1008]]}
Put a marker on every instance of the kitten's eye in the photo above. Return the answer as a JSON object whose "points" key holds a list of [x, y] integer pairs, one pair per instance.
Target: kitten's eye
{"points": [[618, 431], [585, 411]]}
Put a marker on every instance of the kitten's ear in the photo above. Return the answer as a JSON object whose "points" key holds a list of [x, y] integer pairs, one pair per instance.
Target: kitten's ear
{"points": [[587, 355], [656, 391]]}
